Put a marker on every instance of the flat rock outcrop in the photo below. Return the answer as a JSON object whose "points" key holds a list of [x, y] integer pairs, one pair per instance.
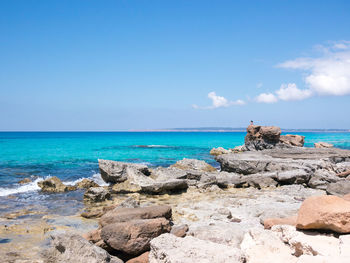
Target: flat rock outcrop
{"points": [[193, 164], [323, 145], [168, 248]]}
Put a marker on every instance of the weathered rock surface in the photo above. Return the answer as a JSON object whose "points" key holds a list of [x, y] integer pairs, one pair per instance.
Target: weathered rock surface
{"points": [[117, 172], [96, 194], [70, 247], [54, 185], [293, 140], [325, 213], [262, 137], [133, 237], [126, 214], [193, 164], [86, 183], [219, 151], [270, 222], [25, 180], [143, 258], [179, 230], [340, 188], [323, 145], [168, 248]]}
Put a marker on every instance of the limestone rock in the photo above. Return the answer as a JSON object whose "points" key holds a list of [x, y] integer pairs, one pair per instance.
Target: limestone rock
{"points": [[323, 145], [126, 214], [270, 222], [86, 183], [179, 230], [143, 258], [70, 247], [193, 164], [325, 213], [293, 140], [54, 185], [339, 188], [168, 248], [96, 194], [173, 185], [262, 137], [117, 172], [219, 151], [133, 237]]}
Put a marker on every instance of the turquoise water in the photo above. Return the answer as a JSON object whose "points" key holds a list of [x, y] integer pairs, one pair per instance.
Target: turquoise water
{"points": [[73, 155]]}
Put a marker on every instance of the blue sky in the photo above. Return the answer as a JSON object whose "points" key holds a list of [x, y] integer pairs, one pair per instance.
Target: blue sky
{"points": [[113, 65]]}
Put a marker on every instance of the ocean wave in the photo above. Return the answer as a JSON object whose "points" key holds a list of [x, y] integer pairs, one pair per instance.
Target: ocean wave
{"points": [[32, 186]]}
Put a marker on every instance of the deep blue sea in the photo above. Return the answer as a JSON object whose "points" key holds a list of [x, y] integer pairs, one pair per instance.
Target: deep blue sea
{"points": [[73, 155]]}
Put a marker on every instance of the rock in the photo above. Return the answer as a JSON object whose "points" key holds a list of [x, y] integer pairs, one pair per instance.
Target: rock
{"points": [[133, 237], [265, 246], [325, 213], [219, 151], [143, 258], [323, 145], [339, 188], [25, 181], [293, 140], [346, 197], [179, 230], [70, 247], [320, 179], [93, 236], [270, 222], [117, 172], [225, 179], [54, 185], [298, 176], [174, 185], [96, 194], [262, 137], [168, 248], [130, 202], [86, 183], [126, 214], [193, 164], [258, 180], [238, 149]]}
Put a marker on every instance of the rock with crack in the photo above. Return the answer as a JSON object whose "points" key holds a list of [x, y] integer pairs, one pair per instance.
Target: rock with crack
{"points": [[340, 188], [96, 194], [55, 185], [262, 137], [292, 140], [168, 248]]}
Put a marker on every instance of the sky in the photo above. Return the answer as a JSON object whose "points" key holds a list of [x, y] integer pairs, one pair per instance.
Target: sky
{"points": [[124, 65]]}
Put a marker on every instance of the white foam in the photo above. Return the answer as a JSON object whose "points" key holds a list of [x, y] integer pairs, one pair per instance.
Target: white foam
{"points": [[32, 186]]}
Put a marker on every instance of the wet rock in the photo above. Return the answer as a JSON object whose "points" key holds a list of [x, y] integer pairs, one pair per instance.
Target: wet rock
{"points": [[133, 237], [293, 140], [193, 164], [96, 194], [143, 258], [86, 183], [127, 214], [262, 137], [54, 185], [325, 213], [179, 230], [25, 180], [168, 248], [70, 247], [219, 151], [117, 172], [340, 188], [323, 145]]}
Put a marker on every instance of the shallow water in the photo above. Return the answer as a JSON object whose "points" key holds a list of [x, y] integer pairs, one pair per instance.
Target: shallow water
{"points": [[73, 155]]}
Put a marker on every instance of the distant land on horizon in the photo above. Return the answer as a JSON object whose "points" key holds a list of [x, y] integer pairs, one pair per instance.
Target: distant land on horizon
{"points": [[231, 129]]}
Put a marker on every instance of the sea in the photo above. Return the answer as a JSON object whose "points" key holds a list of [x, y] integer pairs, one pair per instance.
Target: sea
{"points": [[72, 156]]}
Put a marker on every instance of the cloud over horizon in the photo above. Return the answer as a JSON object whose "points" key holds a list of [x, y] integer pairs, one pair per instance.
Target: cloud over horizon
{"points": [[326, 75], [218, 102]]}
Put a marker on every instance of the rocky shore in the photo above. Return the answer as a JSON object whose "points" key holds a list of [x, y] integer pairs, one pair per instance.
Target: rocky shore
{"points": [[272, 200]]}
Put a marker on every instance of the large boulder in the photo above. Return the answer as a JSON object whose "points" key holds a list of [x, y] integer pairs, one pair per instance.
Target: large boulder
{"points": [[143, 258], [172, 185], [133, 237], [168, 248], [339, 188], [293, 140], [323, 145], [325, 213], [117, 172], [96, 194], [126, 214], [262, 137], [71, 247], [193, 164], [55, 185]]}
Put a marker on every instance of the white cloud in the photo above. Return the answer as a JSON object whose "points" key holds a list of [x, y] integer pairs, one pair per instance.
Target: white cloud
{"points": [[328, 74], [266, 98], [218, 102], [291, 92]]}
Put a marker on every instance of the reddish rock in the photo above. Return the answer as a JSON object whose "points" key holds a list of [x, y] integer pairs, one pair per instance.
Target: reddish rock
{"points": [[140, 259], [270, 222], [293, 140], [325, 213], [94, 236], [347, 197], [127, 214], [323, 145], [262, 137], [133, 237], [179, 231]]}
